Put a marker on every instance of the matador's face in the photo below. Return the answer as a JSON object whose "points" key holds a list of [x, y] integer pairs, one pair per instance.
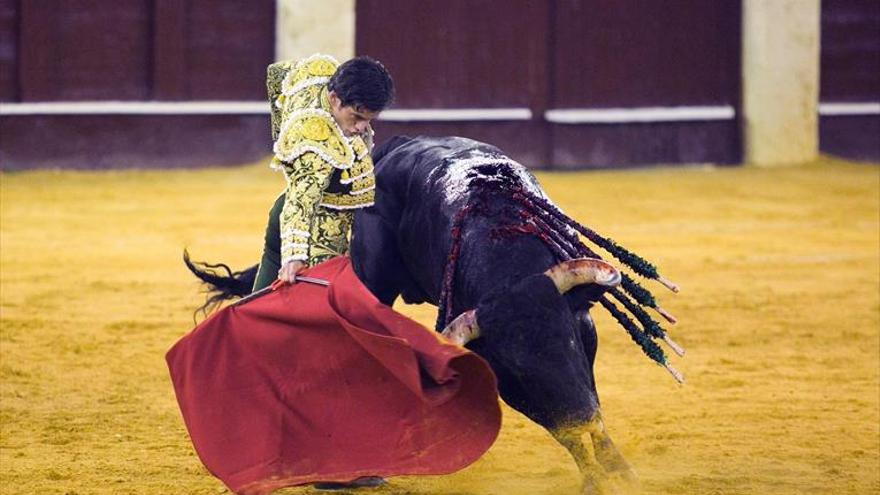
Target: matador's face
{"points": [[352, 120]]}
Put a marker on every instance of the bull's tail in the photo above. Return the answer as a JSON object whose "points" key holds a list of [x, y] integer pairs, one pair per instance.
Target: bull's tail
{"points": [[220, 281]]}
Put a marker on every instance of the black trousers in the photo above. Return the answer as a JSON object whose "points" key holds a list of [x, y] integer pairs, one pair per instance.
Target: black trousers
{"points": [[270, 263]]}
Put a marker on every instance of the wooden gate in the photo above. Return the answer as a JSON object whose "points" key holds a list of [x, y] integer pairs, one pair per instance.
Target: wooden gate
{"points": [[93, 76], [564, 83], [849, 96]]}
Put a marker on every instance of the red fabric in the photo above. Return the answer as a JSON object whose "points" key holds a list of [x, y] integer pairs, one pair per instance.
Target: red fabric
{"points": [[311, 383]]}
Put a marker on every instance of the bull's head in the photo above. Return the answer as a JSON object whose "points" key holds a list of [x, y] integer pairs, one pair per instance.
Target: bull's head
{"points": [[538, 342], [565, 276]]}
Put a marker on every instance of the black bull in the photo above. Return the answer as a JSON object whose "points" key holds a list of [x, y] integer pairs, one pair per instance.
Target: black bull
{"points": [[401, 247], [446, 200]]}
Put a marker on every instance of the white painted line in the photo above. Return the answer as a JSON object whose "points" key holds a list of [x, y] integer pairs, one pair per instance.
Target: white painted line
{"points": [[136, 108], [638, 114], [246, 108], [833, 109], [454, 114]]}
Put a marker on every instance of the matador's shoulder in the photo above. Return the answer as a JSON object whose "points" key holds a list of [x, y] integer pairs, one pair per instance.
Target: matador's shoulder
{"points": [[288, 77], [310, 71], [313, 130]]}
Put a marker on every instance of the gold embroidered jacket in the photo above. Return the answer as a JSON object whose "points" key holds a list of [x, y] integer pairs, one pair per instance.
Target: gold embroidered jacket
{"points": [[328, 173]]}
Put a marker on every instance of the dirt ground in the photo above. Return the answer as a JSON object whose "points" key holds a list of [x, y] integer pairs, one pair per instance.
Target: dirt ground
{"points": [[779, 312]]}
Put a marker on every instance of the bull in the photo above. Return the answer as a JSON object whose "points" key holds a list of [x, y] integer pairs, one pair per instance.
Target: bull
{"points": [[460, 225]]}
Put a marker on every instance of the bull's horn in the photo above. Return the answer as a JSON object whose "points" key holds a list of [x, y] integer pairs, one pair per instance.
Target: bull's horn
{"points": [[463, 328], [581, 271]]}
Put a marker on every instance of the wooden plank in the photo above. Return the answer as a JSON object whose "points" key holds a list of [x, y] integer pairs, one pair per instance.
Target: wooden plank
{"points": [[465, 54], [9, 22], [453, 54], [541, 63], [624, 145], [631, 53], [850, 73], [84, 50], [132, 141], [169, 57], [852, 137], [228, 48], [850, 53], [36, 41]]}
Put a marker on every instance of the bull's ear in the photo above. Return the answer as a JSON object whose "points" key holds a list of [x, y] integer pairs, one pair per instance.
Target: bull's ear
{"points": [[463, 328], [580, 271]]}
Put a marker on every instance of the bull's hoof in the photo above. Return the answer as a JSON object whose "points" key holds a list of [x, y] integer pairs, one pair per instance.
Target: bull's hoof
{"points": [[627, 475], [599, 482], [623, 483], [615, 464], [362, 482], [593, 483]]}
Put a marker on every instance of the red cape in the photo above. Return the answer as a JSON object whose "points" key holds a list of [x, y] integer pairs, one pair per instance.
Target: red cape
{"points": [[311, 383]]}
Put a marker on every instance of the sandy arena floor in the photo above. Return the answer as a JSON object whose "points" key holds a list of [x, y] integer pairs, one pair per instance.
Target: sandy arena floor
{"points": [[780, 314]]}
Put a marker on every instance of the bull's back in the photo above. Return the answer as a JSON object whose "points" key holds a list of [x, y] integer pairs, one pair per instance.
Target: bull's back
{"points": [[411, 201], [422, 184]]}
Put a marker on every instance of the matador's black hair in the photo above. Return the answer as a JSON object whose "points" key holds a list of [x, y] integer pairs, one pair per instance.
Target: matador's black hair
{"points": [[363, 82]]}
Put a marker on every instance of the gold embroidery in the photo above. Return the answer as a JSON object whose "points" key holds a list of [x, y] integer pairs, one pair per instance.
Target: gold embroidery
{"points": [[360, 169], [329, 234], [275, 75], [313, 70], [342, 200], [316, 129], [360, 147], [309, 144], [309, 97], [307, 178], [320, 67], [313, 130], [363, 183]]}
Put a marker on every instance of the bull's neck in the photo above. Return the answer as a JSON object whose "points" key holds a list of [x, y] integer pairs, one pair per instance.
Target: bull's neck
{"points": [[491, 257]]}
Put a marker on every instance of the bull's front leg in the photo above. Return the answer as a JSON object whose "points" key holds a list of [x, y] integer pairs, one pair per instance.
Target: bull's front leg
{"points": [[543, 355], [606, 452], [572, 438], [605, 459]]}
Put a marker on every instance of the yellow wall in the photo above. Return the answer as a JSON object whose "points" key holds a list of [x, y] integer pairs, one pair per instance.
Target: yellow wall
{"points": [[304, 27], [780, 80]]}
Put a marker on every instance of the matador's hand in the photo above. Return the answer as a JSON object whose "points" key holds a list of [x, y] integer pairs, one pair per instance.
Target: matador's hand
{"points": [[288, 272]]}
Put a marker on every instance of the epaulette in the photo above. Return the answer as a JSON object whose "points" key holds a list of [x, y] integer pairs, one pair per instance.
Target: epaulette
{"points": [[287, 77], [275, 75], [310, 71], [313, 130]]}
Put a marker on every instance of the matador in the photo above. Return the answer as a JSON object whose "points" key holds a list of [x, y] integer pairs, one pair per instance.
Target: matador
{"points": [[321, 113]]}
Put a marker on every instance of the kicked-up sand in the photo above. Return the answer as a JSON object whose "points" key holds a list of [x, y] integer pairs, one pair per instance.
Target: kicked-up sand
{"points": [[779, 312]]}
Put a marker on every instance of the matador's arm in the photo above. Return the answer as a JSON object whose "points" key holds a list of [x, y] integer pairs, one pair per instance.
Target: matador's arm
{"points": [[307, 178]]}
